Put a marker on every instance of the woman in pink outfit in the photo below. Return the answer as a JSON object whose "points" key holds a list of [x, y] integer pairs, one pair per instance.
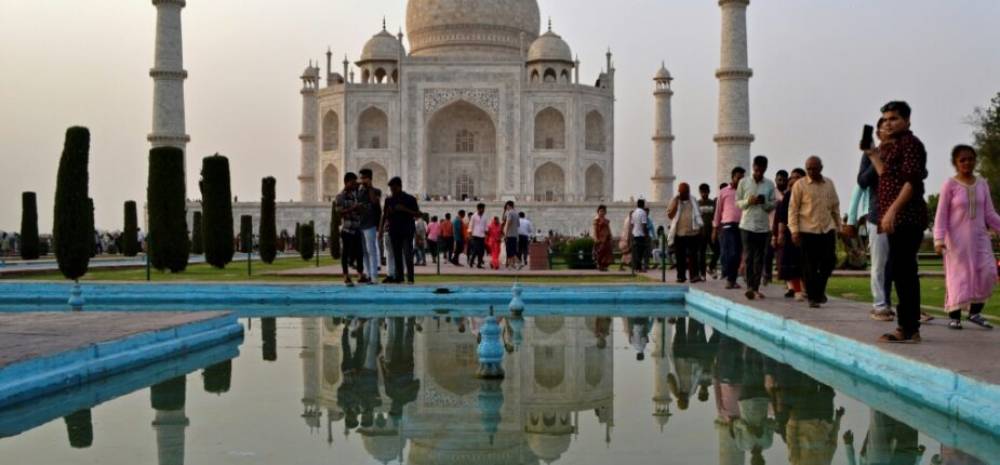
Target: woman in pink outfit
{"points": [[494, 237], [965, 215]]}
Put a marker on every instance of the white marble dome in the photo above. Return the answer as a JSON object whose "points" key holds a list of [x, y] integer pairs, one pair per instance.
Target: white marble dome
{"points": [[550, 47], [382, 47], [488, 28], [663, 74]]}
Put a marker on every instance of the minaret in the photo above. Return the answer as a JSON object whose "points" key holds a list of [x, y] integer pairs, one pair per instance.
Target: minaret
{"points": [[309, 157], [734, 138], [661, 372], [168, 78], [168, 399], [663, 138]]}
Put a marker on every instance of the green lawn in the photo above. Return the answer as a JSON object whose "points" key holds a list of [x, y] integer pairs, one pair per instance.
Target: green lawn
{"points": [[931, 293]]}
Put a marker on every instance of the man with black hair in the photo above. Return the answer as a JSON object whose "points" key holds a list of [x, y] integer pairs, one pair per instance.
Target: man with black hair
{"points": [[727, 229], [458, 226], [524, 232], [640, 236], [755, 196], [402, 210], [352, 250], [477, 240], [902, 168], [370, 202], [706, 206]]}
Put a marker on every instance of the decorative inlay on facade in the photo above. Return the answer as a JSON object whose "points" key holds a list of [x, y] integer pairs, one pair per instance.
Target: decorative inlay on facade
{"points": [[487, 99]]}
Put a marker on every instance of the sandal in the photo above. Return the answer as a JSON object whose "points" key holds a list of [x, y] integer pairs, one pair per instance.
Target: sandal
{"points": [[926, 318], [955, 324], [751, 295], [981, 321], [882, 315], [898, 337]]}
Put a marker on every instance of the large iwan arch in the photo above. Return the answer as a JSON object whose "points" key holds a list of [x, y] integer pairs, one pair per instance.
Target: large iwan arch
{"points": [[550, 130], [331, 183], [550, 183], [461, 144], [331, 131], [594, 183], [595, 137]]}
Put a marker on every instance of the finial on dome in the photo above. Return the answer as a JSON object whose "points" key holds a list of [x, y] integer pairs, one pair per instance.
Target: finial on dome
{"points": [[550, 24], [383, 23]]}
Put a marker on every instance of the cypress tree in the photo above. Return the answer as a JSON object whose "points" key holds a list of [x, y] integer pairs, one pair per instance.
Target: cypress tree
{"points": [[29, 226], [295, 238], [197, 236], [335, 233], [217, 378], [268, 226], [130, 239], [73, 231], [307, 240], [246, 234], [80, 429], [165, 198], [217, 211]]}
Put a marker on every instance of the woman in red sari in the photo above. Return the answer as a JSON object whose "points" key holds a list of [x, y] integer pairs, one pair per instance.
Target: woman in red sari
{"points": [[494, 238], [603, 246]]}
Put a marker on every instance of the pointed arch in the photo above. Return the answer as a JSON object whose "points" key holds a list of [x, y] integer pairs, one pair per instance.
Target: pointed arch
{"points": [[550, 75], [594, 183], [331, 182], [550, 130], [380, 75], [550, 183], [595, 136], [373, 129], [564, 76], [331, 131]]}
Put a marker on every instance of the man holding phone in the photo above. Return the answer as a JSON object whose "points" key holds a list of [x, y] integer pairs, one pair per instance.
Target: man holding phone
{"points": [[756, 197]]}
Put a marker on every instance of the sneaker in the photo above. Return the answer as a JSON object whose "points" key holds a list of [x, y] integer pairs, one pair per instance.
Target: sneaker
{"points": [[955, 324], [348, 282], [898, 337], [981, 321], [814, 304]]}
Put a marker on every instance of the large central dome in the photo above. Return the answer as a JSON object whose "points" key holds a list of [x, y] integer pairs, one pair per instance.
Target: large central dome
{"points": [[471, 28]]}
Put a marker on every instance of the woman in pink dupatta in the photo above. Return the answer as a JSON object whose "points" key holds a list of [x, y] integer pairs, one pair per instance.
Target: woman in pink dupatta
{"points": [[964, 217], [494, 237]]}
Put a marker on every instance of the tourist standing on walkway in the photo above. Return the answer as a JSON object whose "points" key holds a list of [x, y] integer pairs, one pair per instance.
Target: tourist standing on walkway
{"points": [[640, 236], [781, 187], [755, 197], [525, 230], [386, 244], [478, 225], [684, 235], [604, 253], [789, 254], [965, 216], [370, 199], [902, 168], [494, 241], [864, 206], [511, 221], [420, 242], [726, 229], [652, 236], [706, 206], [447, 238], [458, 226], [814, 219], [351, 250], [401, 209], [433, 237]]}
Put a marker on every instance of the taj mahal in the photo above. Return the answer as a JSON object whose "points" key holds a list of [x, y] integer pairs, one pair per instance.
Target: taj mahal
{"points": [[474, 103]]}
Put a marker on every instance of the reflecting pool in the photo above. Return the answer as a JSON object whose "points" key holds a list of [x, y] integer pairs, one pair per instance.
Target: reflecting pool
{"points": [[402, 389]]}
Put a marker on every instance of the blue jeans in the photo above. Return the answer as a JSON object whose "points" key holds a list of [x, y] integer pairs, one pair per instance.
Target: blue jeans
{"points": [[731, 243], [372, 253], [881, 281]]}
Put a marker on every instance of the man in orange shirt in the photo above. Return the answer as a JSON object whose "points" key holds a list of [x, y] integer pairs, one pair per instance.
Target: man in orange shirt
{"points": [[447, 237]]}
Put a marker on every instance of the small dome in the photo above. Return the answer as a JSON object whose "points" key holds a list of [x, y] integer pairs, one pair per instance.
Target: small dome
{"points": [[382, 47], [550, 47], [663, 74], [549, 447]]}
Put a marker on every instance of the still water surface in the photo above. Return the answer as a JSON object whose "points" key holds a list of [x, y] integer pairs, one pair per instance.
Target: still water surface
{"points": [[579, 390]]}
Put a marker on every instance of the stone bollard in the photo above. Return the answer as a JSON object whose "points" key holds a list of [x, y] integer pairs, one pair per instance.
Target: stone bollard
{"points": [[516, 306], [490, 350]]}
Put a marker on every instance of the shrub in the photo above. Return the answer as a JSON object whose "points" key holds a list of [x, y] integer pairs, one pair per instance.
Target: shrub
{"points": [[307, 240], [579, 254], [73, 232], [217, 211], [130, 235], [246, 234], [335, 233], [30, 248], [167, 238], [268, 227], [197, 236]]}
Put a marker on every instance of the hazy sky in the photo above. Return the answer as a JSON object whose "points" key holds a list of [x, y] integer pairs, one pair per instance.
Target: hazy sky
{"points": [[821, 69]]}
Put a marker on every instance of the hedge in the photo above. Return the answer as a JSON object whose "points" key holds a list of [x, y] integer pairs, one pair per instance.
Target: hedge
{"points": [[268, 226], [307, 240], [130, 235]]}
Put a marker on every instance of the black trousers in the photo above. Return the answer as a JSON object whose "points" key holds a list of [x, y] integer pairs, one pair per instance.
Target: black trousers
{"points": [[459, 248], [352, 252], [522, 248], [686, 248], [732, 251], [477, 250], [904, 244], [755, 247], [432, 247], [640, 249], [819, 257], [402, 253]]}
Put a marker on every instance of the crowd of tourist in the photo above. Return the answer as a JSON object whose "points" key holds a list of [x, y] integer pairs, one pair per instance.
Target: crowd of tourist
{"points": [[795, 220]]}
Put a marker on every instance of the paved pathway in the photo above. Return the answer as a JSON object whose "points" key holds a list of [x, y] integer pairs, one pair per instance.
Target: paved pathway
{"points": [[451, 270], [973, 351], [25, 336]]}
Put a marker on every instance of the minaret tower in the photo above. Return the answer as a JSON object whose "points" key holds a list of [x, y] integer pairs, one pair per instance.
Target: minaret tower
{"points": [[309, 157], [168, 78], [663, 138], [733, 138], [662, 341], [168, 399]]}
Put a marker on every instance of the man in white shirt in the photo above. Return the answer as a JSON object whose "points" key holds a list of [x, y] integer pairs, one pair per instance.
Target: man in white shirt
{"points": [[640, 238], [524, 233], [477, 246]]}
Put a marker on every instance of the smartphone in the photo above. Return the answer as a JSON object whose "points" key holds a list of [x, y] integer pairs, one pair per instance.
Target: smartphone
{"points": [[866, 137]]}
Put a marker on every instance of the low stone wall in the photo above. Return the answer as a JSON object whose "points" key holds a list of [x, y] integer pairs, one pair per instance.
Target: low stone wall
{"points": [[565, 218]]}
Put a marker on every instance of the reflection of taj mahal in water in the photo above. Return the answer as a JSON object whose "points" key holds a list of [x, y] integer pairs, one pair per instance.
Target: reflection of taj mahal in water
{"points": [[412, 382]]}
